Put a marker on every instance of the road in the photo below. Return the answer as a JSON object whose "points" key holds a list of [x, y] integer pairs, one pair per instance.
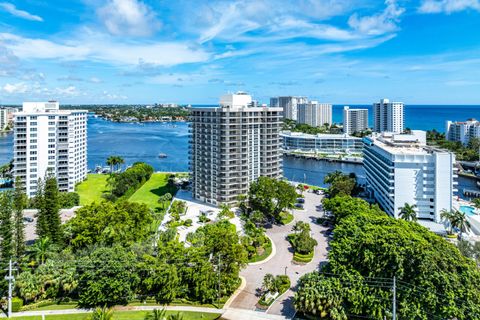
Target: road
{"points": [[281, 263]]}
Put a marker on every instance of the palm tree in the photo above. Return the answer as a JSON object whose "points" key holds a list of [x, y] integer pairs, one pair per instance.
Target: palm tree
{"points": [[268, 282], [448, 215], [177, 316], [408, 213], [120, 161], [103, 313], [111, 161], [461, 222], [476, 203], [41, 249], [156, 314]]}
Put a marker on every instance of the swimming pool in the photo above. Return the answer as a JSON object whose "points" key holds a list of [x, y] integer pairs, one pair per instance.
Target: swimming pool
{"points": [[470, 211]]}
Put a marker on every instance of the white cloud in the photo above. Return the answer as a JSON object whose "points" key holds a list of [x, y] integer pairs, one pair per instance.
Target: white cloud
{"points": [[10, 8], [448, 6], [98, 47], [15, 88], [128, 17], [378, 24]]}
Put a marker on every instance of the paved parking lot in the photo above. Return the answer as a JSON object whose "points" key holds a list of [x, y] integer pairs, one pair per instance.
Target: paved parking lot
{"points": [[29, 214]]}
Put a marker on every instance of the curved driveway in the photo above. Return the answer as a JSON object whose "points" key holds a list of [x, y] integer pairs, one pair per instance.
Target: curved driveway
{"points": [[282, 261]]}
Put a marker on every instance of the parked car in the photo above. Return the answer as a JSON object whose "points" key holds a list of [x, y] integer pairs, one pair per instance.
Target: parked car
{"points": [[27, 219], [299, 205], [300, 200]]}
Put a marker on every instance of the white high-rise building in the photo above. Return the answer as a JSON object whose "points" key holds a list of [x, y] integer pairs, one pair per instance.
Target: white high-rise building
{"points": [[462, 131], [47, 139], [289, 105], [401, 168], [231, 146], [6, 117], [354, 120], [388, 116], [315, 114]]}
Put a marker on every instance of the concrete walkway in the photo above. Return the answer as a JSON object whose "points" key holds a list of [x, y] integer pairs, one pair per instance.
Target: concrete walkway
{"points": [[281, 263], [126, 308]]}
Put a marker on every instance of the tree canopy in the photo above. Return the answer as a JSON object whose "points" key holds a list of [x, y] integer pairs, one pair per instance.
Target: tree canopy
{"points": [[368, 249], [109, 223], [271, 196]]}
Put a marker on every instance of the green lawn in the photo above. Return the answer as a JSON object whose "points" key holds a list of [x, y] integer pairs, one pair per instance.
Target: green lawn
{"points": [[124, 315], [91, 190], [151, 191], [286, 217]]}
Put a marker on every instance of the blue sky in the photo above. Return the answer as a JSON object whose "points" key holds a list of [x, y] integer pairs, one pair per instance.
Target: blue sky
{"points": [[192, 51]]}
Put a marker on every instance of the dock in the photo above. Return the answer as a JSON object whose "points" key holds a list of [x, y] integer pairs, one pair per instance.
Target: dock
{"points": [[471, 193]]}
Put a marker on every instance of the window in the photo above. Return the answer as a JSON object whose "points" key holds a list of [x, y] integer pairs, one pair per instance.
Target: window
{"points": [[33, 129], [33, 158], [33, 135], [33, 123], [51, 123], [51, 157], [33, 152]]}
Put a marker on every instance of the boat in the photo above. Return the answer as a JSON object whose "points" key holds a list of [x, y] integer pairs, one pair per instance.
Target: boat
{"points": [[162, 155]]}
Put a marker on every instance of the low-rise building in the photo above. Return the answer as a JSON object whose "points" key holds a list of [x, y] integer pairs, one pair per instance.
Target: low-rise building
{"points": [[48, 140], [354, 120], [321, 143], [462, 131], [401, 168], [315, 114]]}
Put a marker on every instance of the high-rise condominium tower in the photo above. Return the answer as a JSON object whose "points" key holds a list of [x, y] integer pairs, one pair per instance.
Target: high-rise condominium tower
{"points": [[354, 120], [315, 114], [50, 140], [6, 117], [388, 116], [289, 105], [231, 146]]}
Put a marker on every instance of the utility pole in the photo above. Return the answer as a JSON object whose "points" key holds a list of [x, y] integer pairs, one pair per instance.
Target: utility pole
{"points": [[10, 279], [394, 310], [219, 276]]}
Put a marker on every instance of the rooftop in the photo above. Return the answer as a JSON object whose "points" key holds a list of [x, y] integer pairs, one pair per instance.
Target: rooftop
{"points": [[318, 136], [414, 143]]}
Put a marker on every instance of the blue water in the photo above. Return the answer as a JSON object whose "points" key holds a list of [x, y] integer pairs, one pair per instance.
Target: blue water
{"points": [[421, 117], [143, 142], [470, 211]]}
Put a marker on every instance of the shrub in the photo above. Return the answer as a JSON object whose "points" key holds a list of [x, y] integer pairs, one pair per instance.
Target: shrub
{"points": [[187, 222], [68, 199], [127, 182], [17, 304]]}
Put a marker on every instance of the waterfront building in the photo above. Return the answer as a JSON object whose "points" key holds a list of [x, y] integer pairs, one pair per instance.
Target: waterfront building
{"points": [[354, 120], [315, 114], [401, 168], [6, 117], [289, 105], [48, 140], [321, 143], [388, 116], [462, 131], [231, 146]]}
